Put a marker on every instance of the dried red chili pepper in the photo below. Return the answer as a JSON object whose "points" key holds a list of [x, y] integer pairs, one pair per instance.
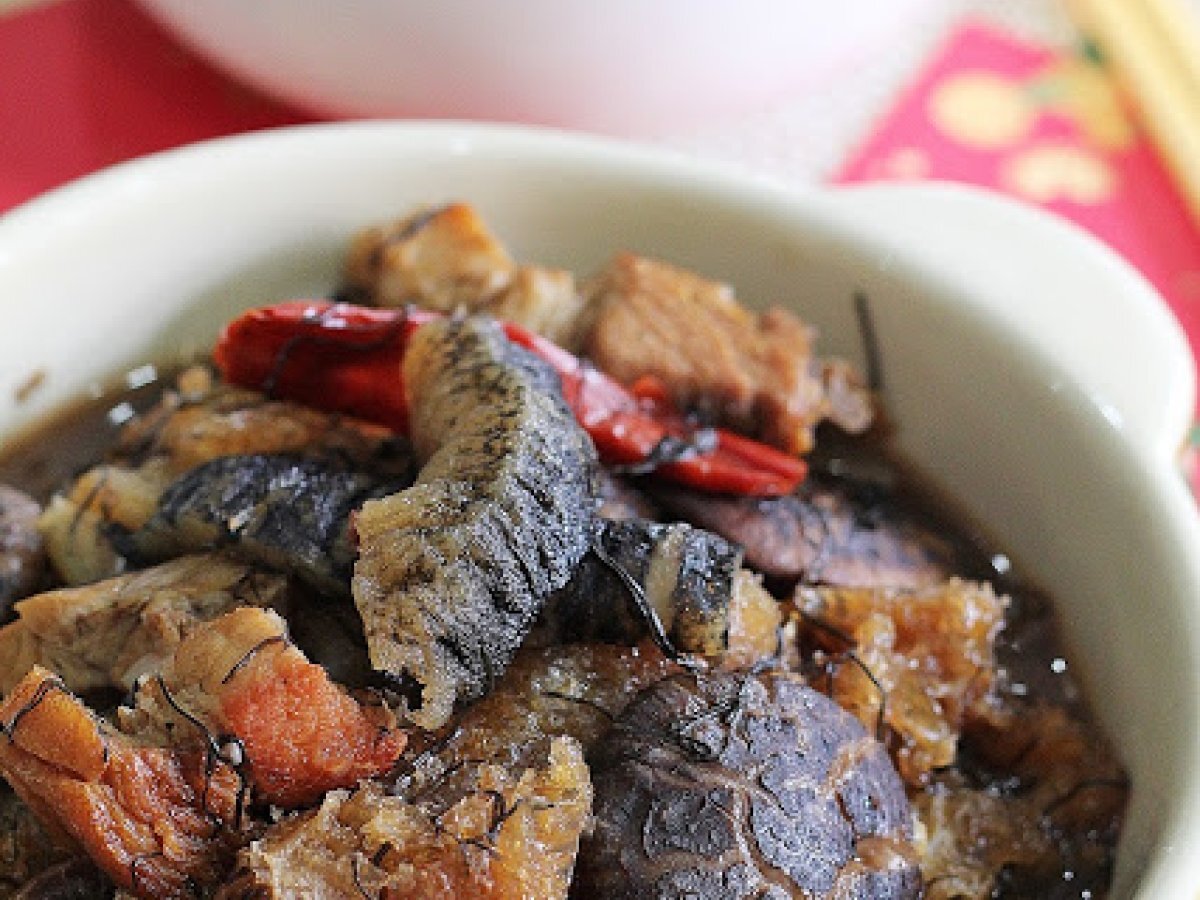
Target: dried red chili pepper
{"points": [[344, 358]]}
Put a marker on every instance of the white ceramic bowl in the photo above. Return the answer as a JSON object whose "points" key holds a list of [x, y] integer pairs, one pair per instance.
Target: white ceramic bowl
{"points": [[1029, 370], [618, 66]]}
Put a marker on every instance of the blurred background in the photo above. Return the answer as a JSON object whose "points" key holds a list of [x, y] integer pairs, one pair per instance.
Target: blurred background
{"points": [[1088, 108]]}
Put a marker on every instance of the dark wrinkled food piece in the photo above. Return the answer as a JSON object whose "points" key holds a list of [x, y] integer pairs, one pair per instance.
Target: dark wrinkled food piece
{"points": [[22, 556], [453, 571], [187, 429], [285, 512], [76, 879], [684, 574], [733, 785], [830, 532]]}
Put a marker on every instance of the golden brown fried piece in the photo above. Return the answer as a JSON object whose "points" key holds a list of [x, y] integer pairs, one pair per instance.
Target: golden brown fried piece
{"points": [[919, 662], [447, 259], [494, 808], [155, 821], [237, 682], [755, 623], [107, 634], [1061, 814], [512, 837], [755, 372], [971, 836]]}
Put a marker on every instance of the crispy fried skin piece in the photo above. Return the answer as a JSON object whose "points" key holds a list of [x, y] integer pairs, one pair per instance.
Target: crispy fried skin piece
{"points": [[752, 371], [295, 733], [181, 433], [453, 571], [155, 821], [513, 836], [493, 808], [105, 635], [920, 662], [971, 835], [447, 259], [756, 624], [230, 421]]}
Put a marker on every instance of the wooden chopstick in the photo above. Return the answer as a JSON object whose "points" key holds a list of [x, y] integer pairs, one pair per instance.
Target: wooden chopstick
{"points": [[1153, 47]]}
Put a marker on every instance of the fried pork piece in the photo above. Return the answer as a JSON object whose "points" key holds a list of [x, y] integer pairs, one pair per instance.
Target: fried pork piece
{"points": [[238, 682], [1058, 810], [752, 371], [829, 532], [919, 663], [22, 555], [155, 821], [494, 808], [447, 259], [184, 431], [105, 635], [453, 571]]}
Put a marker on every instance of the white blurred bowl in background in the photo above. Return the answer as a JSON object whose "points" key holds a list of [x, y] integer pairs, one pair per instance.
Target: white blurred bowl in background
{"points": [[616, 66]]}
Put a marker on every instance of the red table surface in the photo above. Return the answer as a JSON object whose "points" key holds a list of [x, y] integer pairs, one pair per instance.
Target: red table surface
{"points": [[87, 83]]}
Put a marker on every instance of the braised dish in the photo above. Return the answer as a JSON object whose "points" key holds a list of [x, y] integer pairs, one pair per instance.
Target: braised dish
{"points": [[483, 579]]}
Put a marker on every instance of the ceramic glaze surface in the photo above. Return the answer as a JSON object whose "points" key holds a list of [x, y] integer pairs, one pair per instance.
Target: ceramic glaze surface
{"points": [[621, 67]]}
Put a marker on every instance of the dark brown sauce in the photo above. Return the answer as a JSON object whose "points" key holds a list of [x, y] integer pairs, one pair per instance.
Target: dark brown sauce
{"points": [[45, 456], [1030, 649]]}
